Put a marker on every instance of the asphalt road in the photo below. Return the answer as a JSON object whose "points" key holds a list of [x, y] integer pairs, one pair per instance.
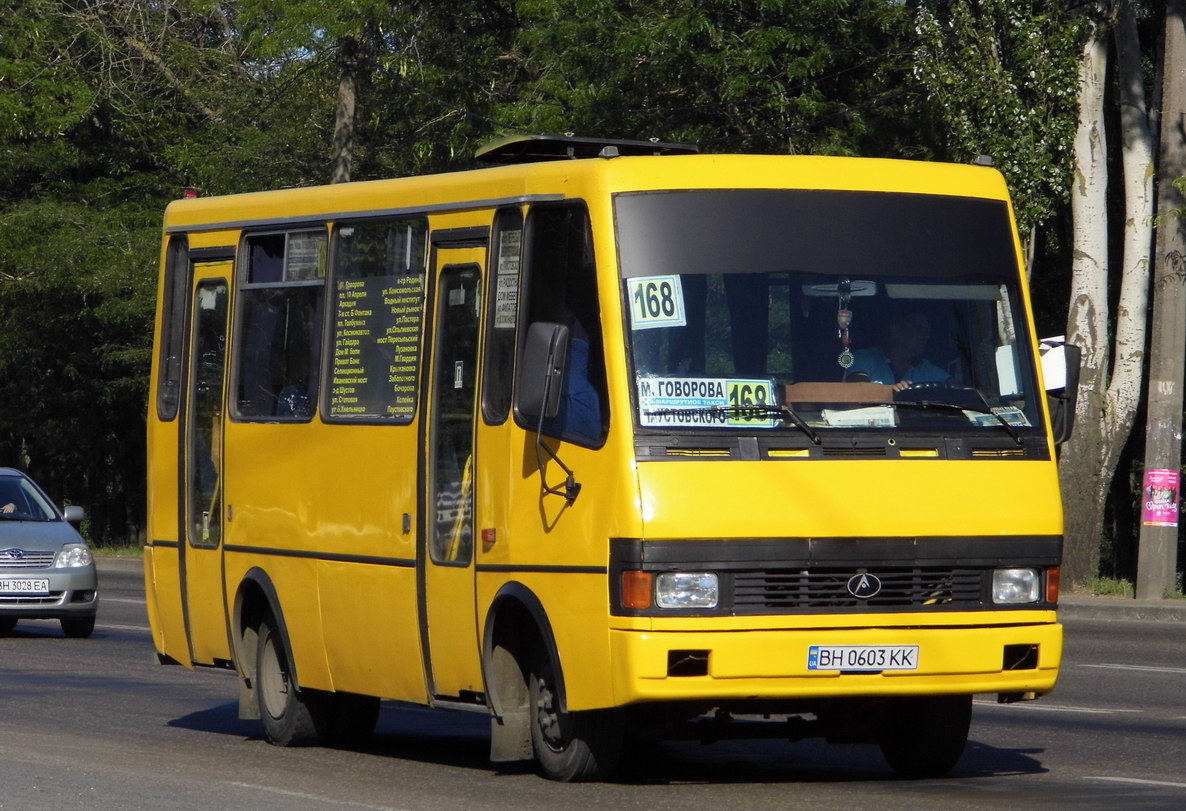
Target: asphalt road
{"points": [[98, 724]]}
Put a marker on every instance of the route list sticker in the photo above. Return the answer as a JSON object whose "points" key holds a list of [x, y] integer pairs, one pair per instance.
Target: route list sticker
{"points": [[699, 402], [376, 344]]}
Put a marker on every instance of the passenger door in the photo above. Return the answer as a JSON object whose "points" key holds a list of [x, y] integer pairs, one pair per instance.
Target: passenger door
{"points": [[202, 501], [446, 554]]}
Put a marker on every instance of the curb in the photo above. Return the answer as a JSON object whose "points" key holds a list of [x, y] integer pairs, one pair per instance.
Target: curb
{"points": [[124, 565], [1121, 608]]}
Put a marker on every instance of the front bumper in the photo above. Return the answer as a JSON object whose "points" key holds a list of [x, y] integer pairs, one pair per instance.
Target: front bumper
{"points": [[73, 592], [772, 664]]}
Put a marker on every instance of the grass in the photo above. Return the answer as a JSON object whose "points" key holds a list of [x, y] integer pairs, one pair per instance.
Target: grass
{"points": [[1109, 587], [1115, 587], [124, 551]]}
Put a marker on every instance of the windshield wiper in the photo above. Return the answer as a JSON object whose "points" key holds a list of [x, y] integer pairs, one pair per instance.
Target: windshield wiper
{"points": [[984, 409], [789, 414]]}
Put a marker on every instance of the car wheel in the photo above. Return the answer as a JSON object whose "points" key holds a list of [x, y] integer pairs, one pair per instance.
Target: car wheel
{"points": [[925, 736], [570, 746], [78, 627], [291, 716], [7, 625]]}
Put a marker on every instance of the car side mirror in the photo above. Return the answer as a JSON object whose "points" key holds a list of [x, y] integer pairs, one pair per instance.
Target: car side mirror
{"points": [[542, 373], [74, 514], [1063, 399]]}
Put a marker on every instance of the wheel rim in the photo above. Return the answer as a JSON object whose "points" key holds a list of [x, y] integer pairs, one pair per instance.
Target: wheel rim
{"points": [[273, 680], [547, 714]]}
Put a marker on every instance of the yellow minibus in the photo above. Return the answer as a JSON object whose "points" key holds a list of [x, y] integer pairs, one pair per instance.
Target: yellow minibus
{"points": [[609, 441]]}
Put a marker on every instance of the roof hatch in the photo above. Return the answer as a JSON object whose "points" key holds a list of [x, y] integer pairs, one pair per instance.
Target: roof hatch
{"points": [[532, 148]]}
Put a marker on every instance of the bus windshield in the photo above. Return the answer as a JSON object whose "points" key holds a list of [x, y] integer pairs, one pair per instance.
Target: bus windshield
{"points": [[825, 310]]}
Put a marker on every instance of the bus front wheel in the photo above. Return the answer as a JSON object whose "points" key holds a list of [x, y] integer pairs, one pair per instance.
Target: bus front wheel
{"points": [[569, 746], [291, 717], [926, 736]]}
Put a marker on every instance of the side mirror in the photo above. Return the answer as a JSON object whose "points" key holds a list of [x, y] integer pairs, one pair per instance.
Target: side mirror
{"points": [[74, 514], [542, 372], [1062, 399]]}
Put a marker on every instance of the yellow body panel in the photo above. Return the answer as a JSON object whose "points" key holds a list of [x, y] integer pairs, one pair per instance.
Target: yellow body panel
{"points": [[850, 498], [773, 664], [320, 508]]}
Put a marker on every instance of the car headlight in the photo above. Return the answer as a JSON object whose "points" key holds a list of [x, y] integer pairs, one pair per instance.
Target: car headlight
{"points": [[686, 590], [74, 554], [1015, 586]]}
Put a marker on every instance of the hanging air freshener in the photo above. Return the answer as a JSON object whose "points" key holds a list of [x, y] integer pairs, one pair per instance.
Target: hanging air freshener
{"points": [[843, 319]]}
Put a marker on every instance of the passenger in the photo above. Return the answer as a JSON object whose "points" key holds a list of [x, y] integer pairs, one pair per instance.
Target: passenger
{"points": [[900, 363]]}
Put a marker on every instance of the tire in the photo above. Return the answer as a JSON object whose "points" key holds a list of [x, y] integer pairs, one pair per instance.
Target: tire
{"points": [[290, 716], [926, 736], [7, 625], [570, 747], [78, 627]]}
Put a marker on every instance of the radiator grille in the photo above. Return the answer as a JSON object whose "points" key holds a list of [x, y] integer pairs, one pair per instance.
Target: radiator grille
{"points": [[53, 598], [913, 587], [21, 559]]}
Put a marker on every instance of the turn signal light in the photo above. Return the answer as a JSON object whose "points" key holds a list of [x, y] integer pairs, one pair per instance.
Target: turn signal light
{"points": [[637, 588], [1052, 576]]}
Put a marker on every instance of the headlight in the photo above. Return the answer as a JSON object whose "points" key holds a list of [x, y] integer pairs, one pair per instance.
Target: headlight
{"points": [[74, 554], [1015, 586], [686, 590]]}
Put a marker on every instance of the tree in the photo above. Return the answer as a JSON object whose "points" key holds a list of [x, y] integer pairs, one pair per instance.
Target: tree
{"points": [[730, 75], [1002, 77], [1113, 346]]}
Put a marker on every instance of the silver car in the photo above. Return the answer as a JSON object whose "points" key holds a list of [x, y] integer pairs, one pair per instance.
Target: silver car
{"points": [[46, 568]]}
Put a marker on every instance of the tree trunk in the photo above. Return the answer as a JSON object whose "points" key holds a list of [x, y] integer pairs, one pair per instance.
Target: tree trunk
{"points": [[343, 154], [1124, 389], [1087, 323]]}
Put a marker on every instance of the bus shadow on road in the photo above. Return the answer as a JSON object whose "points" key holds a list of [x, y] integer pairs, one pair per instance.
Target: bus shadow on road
{"points": [[463, 739]]}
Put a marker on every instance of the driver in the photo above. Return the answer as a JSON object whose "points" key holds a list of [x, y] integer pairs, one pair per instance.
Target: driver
{"points": [[900, 363]]}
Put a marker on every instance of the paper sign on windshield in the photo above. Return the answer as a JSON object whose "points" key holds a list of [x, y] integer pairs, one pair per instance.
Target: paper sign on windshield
{"points": [[700, 402], [656, 301]]}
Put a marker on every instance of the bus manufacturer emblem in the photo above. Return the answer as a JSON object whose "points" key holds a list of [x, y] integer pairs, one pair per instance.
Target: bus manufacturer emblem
{"points": [[864, 585]]}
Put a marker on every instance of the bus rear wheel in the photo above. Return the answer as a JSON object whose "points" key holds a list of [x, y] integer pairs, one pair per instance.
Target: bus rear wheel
{"points": [[926, 736], [570, 746], [291, 717]]}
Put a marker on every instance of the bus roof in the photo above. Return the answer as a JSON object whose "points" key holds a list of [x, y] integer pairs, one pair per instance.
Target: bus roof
{"points": [[521, 183]]}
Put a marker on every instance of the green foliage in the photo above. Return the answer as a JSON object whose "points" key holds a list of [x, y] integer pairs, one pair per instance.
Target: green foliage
{"points": [[1109, 587], [1003, 75], [730, 75], [75, 305]]}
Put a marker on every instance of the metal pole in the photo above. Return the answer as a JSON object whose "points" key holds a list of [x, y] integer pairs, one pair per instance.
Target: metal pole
{"points": [[1158, 548]]}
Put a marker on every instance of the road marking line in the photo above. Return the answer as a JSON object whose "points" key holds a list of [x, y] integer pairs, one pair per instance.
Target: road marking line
{"points": [[302, 795], [124, 627], [122, 600], [1146, 668], [1053, 708], [1138, 780]]}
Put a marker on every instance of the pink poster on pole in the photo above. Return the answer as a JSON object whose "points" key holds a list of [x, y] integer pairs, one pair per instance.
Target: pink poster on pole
{"points": [[1160, 498]]}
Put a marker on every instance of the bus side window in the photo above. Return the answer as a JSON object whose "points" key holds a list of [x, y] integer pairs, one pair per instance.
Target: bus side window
{"points": [[279, 339], [502, 309], [562, 288], [172, 327]]}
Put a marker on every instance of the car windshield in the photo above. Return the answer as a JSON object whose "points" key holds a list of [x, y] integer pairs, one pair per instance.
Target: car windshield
{"points": [[811, 311], [21, 501]]}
